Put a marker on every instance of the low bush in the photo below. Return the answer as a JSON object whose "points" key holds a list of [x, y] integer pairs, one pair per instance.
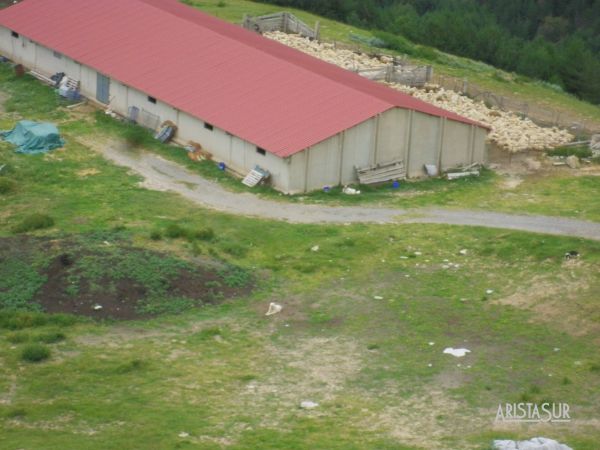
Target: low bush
{"points": [[33, 222], [19, 320], [51, 337], [155, 235], [203, 234], [135, 136], [580, 152], [35, 353], [17, 337], [7, 185], [174, 231]]}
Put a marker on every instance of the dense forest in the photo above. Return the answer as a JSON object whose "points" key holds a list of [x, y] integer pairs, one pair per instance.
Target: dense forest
{"points": [[554, 40]]}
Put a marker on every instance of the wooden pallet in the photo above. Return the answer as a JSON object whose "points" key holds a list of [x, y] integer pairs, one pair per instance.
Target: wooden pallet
{"points": [[254, 177], [381, 173]]}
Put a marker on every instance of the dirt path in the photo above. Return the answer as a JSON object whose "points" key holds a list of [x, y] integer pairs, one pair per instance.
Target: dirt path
{"points": [[161, 174]]}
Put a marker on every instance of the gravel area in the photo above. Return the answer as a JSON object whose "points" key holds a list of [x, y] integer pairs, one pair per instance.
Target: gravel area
{"points": [[163, 175]]}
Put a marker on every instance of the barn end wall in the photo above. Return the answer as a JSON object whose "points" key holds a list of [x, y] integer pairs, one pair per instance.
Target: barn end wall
{"points": [[239, 155], [397, 134]]}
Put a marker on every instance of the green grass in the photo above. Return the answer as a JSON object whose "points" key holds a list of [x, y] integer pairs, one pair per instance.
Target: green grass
{"points": [[580, 152], [230, 376]]}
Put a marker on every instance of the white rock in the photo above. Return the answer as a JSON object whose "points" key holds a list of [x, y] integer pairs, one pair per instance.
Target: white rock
{"points": [[538, 443], [274, 308], [458, 352], [307, 404], [315, 248]]}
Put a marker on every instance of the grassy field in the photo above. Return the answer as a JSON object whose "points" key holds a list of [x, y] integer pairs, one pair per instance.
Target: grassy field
{"points": [[483, 75], [364, 322]]}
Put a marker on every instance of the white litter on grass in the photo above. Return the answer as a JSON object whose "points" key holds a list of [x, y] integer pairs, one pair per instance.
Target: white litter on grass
{"points": [[183, 434], [538, 443], [315, 248], [404, 257], [489, 291], [378, 297], [463, 252], [418, 253], [432, 343], [307, 404], [458, 352], [350, 191], [274, 308], [97, 307]]}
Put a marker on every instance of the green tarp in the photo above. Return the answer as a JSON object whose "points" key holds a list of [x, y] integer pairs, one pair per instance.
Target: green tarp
{"points": [[33, 137]]}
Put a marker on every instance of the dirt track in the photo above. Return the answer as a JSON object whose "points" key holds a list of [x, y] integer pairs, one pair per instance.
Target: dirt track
{"points": [[161, 174]]}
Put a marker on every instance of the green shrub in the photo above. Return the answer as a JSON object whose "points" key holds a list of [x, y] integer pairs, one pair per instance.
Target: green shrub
{"points": [[33, 222], [19, 320], [35, 353], [51, 337], [204, 234], [234, 249], [13, 320], [235, 277], [580, 152], [135, 136], [7, 185], [131, 366], [156, 235], [17, 338], [174, 231], [16, 413]]}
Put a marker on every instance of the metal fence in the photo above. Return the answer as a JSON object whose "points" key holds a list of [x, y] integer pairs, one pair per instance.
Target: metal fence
{"points": [[283, 21], [148, 120], [416, 76]]}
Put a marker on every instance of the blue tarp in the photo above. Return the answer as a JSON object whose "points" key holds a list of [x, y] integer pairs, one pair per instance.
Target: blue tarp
{"points": [[33, 137]]}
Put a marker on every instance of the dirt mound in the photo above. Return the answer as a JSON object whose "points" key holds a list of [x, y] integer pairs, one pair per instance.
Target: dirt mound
{"points": [[109, 279]]}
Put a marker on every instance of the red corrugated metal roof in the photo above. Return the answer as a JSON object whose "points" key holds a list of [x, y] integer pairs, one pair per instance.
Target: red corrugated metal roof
{"points": [[264, 92]]}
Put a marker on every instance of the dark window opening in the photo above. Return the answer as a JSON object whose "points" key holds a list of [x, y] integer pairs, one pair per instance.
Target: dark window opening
{"points": [[15, 34], [208, 126], [261, 151], [152, 100]]}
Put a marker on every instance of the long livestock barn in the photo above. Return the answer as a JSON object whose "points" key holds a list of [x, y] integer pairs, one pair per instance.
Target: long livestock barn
{"points": [[246, 99]]}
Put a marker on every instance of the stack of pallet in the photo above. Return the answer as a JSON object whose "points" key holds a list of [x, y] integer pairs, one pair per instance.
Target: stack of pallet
{"points": [[381, 173]]}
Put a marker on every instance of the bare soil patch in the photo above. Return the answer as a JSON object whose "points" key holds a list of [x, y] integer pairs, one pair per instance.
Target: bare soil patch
{"points": [[83, 275]]}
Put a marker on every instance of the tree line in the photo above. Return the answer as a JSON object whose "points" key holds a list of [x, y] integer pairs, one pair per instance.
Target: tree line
{"points": [[557, 41]]}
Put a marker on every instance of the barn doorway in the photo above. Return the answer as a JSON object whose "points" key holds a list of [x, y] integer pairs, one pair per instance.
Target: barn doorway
{"points": [[102, 88]]}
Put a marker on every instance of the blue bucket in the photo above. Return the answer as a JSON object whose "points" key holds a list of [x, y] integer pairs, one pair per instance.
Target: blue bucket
{"points": [[222, 166]]}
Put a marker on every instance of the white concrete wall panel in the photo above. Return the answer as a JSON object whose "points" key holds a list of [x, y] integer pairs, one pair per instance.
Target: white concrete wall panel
{"points": [[424, 143], [456, 148]]}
